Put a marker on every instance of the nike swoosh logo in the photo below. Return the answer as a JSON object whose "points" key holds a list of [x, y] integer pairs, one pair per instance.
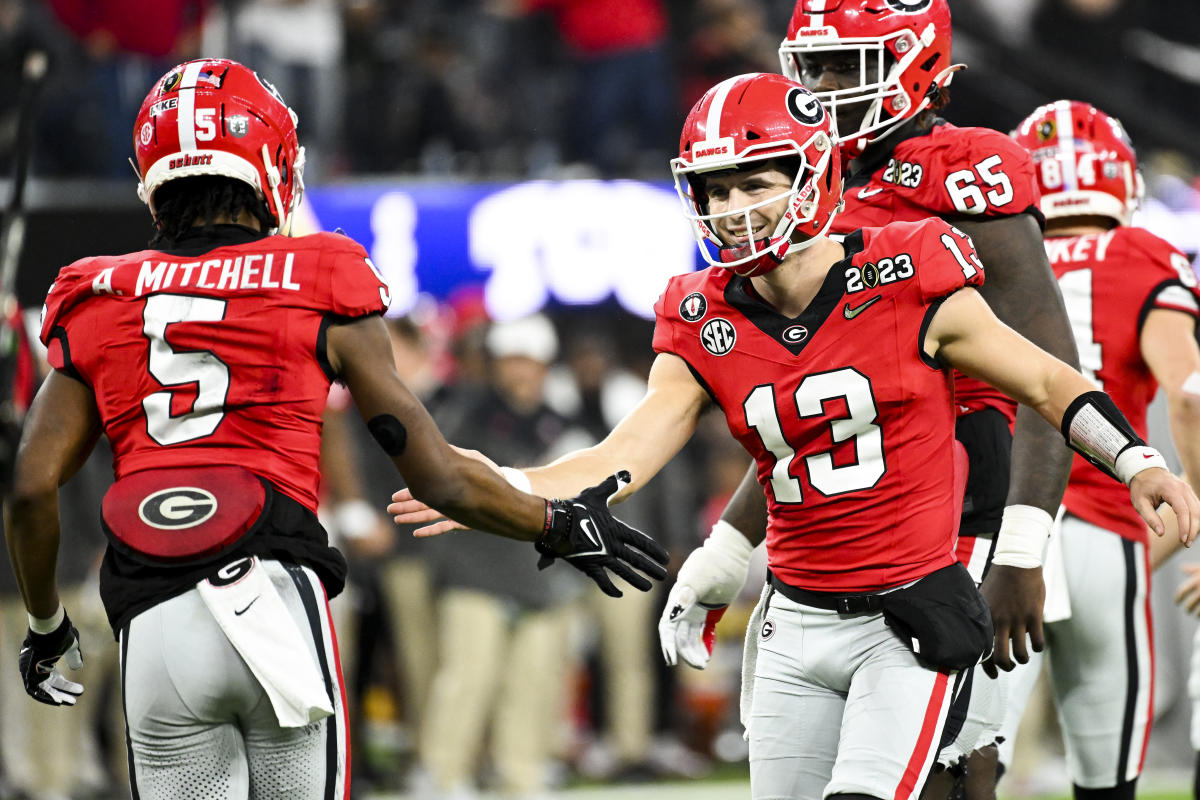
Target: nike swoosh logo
{"points": [[237, 613], [863, 194], [852, 312], [589, 531]]}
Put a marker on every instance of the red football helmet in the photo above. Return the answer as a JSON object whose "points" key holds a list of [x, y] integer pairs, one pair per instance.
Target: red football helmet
{"points": [[752, 118], [213, 116], [903, 48], [1085, 162]]}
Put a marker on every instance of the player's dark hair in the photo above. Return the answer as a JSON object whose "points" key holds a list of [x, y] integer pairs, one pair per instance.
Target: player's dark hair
{"points": [[186, 203]]}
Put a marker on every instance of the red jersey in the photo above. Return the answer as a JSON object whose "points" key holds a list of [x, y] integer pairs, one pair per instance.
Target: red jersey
{"points": [[953, 173], [851, 426], [1110, 282], [212, 357]]}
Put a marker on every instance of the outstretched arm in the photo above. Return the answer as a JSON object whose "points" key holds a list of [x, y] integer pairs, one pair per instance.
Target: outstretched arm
{"points": [[1022, 292], [462, 488], [643, 442], [967, 335], [1021, 289], [581, 529]]}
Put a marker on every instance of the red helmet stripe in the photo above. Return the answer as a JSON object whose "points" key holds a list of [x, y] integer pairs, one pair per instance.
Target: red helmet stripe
{"points": [[186, 117]]}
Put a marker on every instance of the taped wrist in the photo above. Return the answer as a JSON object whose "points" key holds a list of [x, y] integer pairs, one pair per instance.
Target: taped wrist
{"points": [[49, 625], [718, 568], [1096, 429], [1021, 541], [727, 542]]}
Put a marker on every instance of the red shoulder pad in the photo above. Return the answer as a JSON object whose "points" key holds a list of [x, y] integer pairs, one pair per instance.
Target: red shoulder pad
{"points": [[685, 301], [1159, 262], [355, 288], [946, 260], [975, 172], [71, 286]]}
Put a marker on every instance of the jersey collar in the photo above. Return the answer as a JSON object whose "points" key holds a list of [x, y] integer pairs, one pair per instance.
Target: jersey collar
{"points": [[740, 294], [867, 167], [198, 240]]}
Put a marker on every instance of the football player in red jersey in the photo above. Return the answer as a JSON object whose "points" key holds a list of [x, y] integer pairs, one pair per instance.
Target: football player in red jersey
{"points": [[831, 361], [206, 360], [883, 68], [1133, 303]]}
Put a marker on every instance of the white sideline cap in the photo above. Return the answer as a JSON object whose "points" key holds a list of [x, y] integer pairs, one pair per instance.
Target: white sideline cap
{"points": [[531, 337]]}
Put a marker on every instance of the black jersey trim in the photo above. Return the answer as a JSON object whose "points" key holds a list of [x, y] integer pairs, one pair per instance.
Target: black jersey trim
{"points": [[1148, 304], [868, 167], [933, 362], [199, 241], [1131, 659], [59, 334], [741, 296], [703, 383], [124, 636], [322, 345], [309, 598]]}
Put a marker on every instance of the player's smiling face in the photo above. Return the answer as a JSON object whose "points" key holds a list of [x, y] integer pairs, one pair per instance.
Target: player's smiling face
{"points": [[732, 192]]}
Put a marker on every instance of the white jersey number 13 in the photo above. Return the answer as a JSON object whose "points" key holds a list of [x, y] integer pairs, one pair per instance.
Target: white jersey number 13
{"points": [[762, 414]]}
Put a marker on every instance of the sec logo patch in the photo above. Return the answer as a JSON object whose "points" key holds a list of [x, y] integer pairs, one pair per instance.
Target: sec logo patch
{"points": [[718, 336], [694, 307]]}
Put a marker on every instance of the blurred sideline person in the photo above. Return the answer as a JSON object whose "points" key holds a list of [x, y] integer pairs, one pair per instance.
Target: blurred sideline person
{"points": [[207, 360], [883, 69], [1133, 303], [831, 361], [499, 683], [596, 391]]}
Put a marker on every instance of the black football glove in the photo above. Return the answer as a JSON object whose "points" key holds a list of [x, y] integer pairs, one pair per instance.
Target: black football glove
{"points": [[40, 653], [584, 532]]}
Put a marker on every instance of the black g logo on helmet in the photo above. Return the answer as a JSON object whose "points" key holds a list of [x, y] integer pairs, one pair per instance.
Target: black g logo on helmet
{"points": [[805, 107], [177, 508], [909, 6]]}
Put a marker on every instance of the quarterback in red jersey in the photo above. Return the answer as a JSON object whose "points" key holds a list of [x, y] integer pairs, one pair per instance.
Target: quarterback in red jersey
{"points": [[883, 69], [207, 360], [831, 361], [1133, 303]]}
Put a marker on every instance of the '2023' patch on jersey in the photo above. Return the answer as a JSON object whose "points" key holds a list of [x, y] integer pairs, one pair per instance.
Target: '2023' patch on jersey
{"points": [[903, 173], [879, 272]]}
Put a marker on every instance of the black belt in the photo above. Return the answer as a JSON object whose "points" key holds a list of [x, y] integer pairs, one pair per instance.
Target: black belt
{"points": [[841, 603]]}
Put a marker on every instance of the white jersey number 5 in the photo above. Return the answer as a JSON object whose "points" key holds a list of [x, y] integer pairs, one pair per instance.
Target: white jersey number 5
{"points": [[172, 368], [762, 414]]}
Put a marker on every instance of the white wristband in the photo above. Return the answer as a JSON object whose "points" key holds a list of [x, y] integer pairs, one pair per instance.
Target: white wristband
{"points": [[1133, 460], [517, 479], [38, 625], [1021, 541]]}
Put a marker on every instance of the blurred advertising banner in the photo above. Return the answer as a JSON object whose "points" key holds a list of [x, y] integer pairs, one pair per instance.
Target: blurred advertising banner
{"points": [[579, 242]]}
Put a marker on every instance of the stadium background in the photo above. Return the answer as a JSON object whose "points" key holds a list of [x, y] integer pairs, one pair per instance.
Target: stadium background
{"points": [[497, 158]]}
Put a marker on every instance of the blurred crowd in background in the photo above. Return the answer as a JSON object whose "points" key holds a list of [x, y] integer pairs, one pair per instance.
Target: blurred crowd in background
{"points": [[521, 88], [512, 90]]}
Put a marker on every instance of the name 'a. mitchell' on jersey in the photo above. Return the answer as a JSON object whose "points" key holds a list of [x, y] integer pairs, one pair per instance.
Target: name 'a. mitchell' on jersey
{"points": [[850, 424], [214, 357], [953, 173], [1110, 282]]}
